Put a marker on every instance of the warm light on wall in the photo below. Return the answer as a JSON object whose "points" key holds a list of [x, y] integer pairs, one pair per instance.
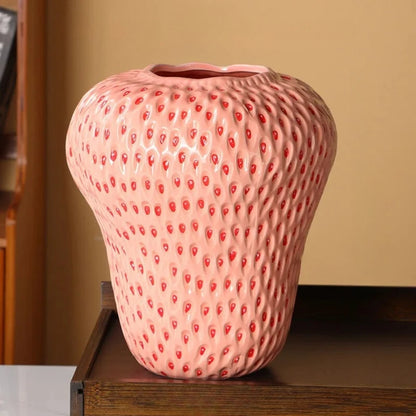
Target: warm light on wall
{"points": [[359, 55]]}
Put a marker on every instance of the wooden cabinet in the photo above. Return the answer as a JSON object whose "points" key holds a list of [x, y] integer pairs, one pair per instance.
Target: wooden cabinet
{"points": [[350, 351], [22, 195]]}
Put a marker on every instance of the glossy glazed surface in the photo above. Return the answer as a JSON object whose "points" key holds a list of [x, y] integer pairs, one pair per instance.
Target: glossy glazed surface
{"points": [[204, 181]]}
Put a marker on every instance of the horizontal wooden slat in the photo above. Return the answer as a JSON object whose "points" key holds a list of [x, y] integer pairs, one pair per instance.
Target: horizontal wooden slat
{"points": [[8, 146], [9, 4], [5, 200]]}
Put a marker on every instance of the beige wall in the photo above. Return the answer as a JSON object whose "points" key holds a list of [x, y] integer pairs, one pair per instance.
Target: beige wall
{"points": [[359, 55]]}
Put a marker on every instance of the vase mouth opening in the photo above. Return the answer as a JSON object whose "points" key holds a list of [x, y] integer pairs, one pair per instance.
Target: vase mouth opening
{"points": [[201, 71]]}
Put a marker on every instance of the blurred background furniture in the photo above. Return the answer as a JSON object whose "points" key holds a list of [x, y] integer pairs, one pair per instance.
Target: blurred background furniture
{"points": [[22, 200]]}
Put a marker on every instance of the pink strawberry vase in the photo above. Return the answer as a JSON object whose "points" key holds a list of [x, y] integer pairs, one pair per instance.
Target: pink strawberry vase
{"points": [[204, 181]]}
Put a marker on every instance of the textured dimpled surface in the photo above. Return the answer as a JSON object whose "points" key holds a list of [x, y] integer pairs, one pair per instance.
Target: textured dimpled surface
{"points": [[204, 190]]}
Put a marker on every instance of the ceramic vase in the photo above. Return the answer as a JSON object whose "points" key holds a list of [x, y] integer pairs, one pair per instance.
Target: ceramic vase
{"points": [[204, 181]]}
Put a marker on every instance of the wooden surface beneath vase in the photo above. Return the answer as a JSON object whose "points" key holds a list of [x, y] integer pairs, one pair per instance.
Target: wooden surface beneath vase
{"points": [[328, 367]]}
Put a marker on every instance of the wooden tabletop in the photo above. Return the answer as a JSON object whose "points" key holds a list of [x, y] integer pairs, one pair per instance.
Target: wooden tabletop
{"points": [[327, 367]]}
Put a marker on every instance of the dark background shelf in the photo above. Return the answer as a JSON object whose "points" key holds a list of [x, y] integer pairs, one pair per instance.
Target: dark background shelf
{"points": [[8, 146]]}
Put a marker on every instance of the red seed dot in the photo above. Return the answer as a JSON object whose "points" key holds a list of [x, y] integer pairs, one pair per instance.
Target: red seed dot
{"points": [[175, 141]]}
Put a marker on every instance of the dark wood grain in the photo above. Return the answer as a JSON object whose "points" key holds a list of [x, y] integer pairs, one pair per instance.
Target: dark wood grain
{"points": [[88, 358], [328, 367], [107, 296], [227, 398], [356, 303]]}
